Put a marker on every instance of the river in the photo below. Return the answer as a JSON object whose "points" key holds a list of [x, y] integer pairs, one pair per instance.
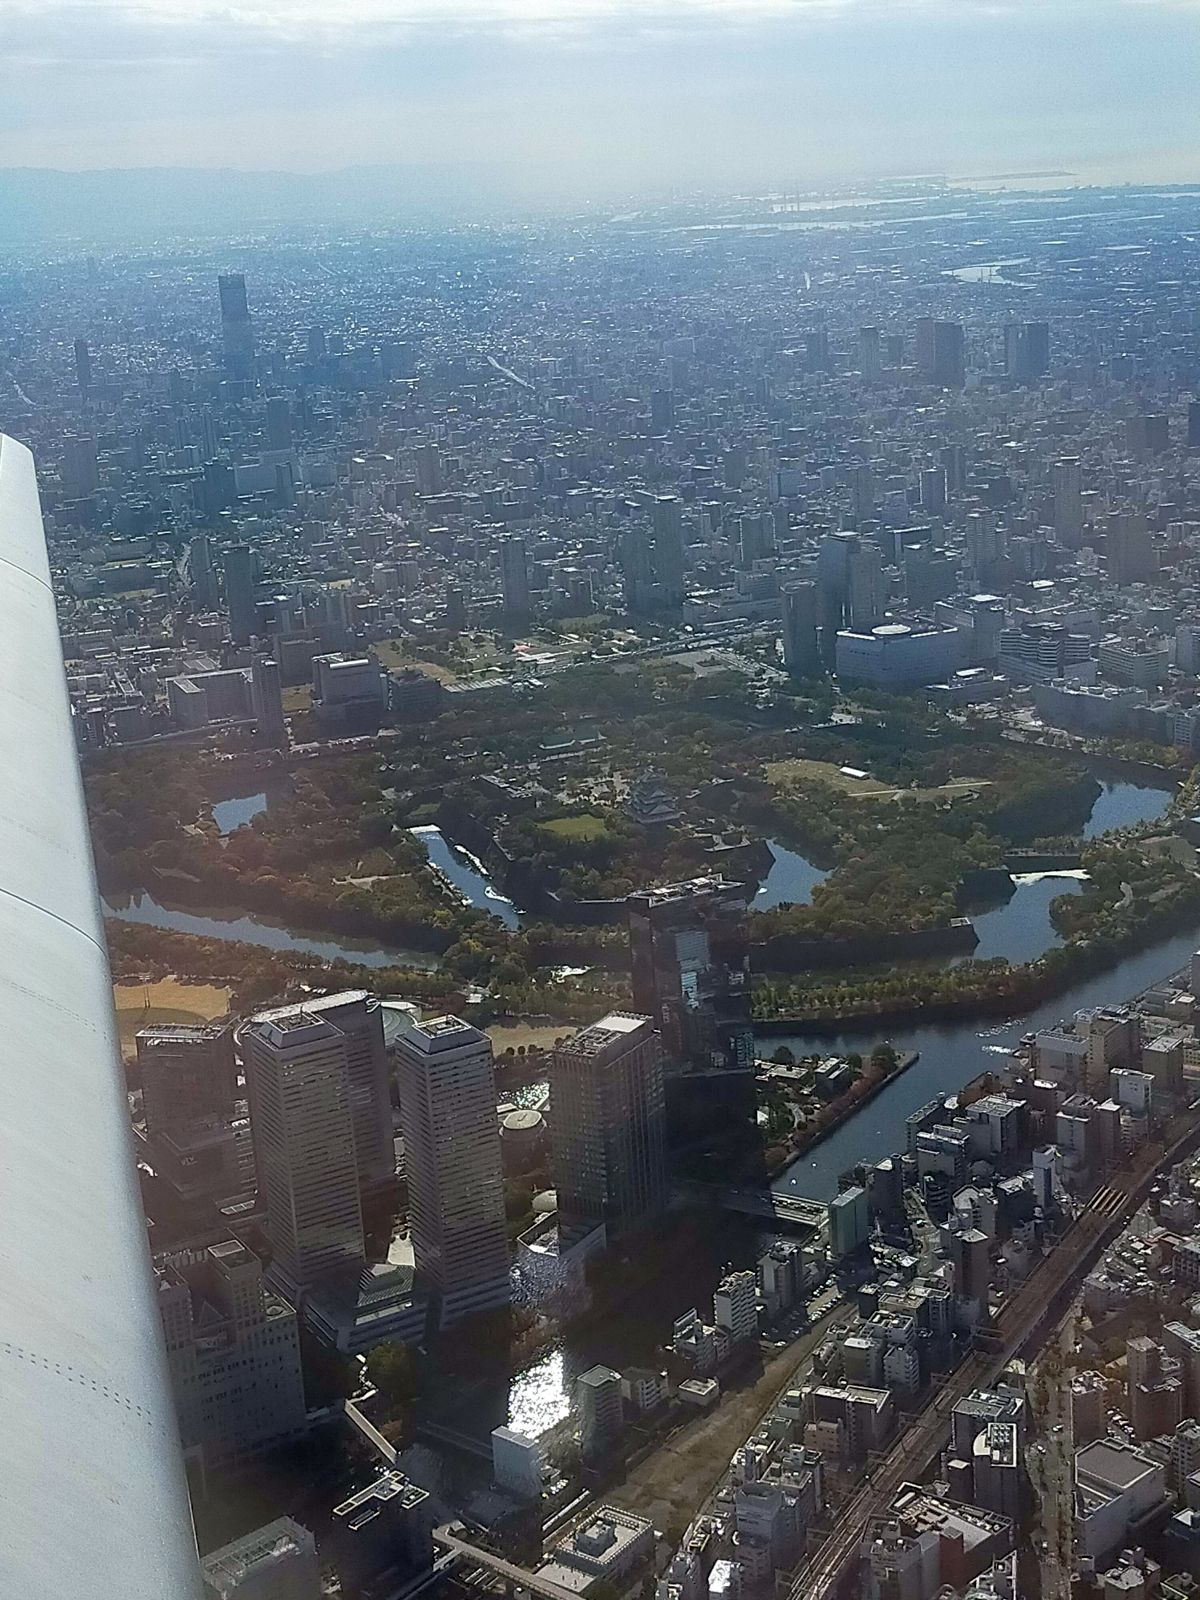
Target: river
{"points": [[216, 923], [467, 874]]}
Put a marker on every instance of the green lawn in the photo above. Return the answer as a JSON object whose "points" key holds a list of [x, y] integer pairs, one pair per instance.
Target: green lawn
{"points": [[588, 826]]}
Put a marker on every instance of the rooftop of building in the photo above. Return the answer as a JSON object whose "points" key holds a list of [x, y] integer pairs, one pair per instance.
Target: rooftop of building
{"points": [[233, 1561], [430, 1035], [610, 1033], [1111, 1465]]}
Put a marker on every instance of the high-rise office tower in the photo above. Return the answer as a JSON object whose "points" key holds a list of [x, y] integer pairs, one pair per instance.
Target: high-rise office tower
{"points": [[188, 1075], [209, 442], [268, 703], [279, 423], [816, 348], [357, 1017], [667, 551], [1129, 553], [940, 352], [429, 469], [197, 1135], [83, 367], [608, 1117], [1026, 350], [862, 491], [954, 458], [80, 467], [867, 588], [756, 537], [447, 1088], [201, 573], [1193, 425], [233, 1349], [1067, 484], [237, 330], [933, 490], [275, 1562], [690, 956], [870, 353], [662, 411], [300, 1110], [239, 593], [637, 567], [514, 577], [801, 655]]}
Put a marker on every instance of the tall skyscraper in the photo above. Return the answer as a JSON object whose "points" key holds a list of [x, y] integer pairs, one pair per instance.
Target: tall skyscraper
{"points": [[690, 956], [83, 367], [933, 490], [608, 1117], [201, 574], [447, 1087], [268, 703], [188, 1075], [300, 1110], [279, 423], [667, 549], [870, 353], [514, 577], [940, 352], [1193, 425], [237, 330], [1129, 553], [1067, 483], [239, 593], [357, 1017], [233, 1349], [756, 537], [1026, 350], [80, 467], [801, 655], [197, 1136]]}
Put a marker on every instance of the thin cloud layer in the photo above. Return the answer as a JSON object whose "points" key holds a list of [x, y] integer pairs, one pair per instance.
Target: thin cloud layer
{"points": [[662, 91]]}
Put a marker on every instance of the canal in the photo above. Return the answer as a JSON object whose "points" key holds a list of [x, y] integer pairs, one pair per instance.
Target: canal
{"points": [[218, 923]]}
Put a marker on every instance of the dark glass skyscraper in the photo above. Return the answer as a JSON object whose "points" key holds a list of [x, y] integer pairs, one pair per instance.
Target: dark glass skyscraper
{"points": [[237, 330], [691, 972]]}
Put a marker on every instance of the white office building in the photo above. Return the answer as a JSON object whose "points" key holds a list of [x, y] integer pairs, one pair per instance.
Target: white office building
{"points": [[517, 1463], [447, 1090], [357, 1016], [300, 1110]]}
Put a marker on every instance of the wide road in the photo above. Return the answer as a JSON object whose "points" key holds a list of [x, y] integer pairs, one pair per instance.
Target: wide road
{"points": [[1058, 1274]]}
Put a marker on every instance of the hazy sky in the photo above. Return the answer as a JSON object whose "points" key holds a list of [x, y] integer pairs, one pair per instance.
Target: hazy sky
{"points": [[728, 91]]}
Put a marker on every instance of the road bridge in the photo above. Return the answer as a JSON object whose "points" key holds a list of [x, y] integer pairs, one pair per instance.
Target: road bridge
{"points": [[751, 1202], [521, 1577]]}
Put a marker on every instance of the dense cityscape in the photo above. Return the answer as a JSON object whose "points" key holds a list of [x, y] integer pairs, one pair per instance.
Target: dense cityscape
{"points": [[643, 780]]}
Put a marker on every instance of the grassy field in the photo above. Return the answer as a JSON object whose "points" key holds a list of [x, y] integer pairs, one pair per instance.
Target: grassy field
{"points": [[509, 1035], [588, 826], [145, 1005], [795, 774]]}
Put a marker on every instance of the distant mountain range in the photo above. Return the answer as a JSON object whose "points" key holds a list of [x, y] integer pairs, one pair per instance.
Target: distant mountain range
{"points": [[42, 205]]}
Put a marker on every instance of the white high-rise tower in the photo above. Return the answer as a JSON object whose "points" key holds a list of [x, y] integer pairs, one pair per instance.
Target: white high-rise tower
{"points": [[300, 1112], [452, 1153]]}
